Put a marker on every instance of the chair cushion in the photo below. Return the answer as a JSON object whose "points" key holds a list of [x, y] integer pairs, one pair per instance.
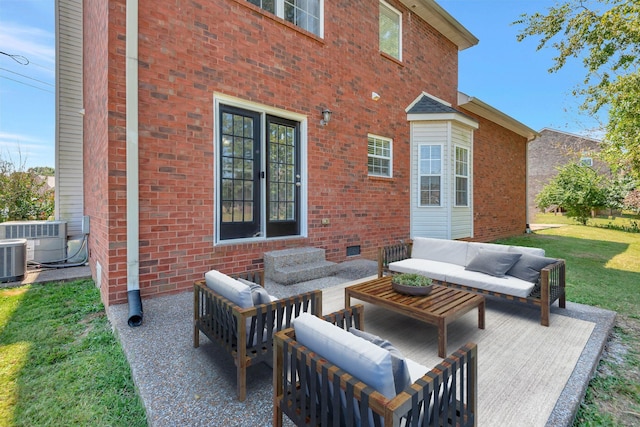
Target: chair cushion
{"points": [[528, 267], [494, 263], [399, 366], [233, 290], [362, 359]]}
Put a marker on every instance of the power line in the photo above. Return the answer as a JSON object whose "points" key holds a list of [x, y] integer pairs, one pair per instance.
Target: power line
{"points": [[18, 58], [27, 77], [26, 84]]}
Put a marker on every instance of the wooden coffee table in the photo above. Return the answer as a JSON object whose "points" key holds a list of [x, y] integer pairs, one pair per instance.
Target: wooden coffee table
{"points": [[441, 307]]}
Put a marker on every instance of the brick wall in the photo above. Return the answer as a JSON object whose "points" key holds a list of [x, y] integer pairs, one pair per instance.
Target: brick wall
{"points": [[499, 180], [190, 50]]}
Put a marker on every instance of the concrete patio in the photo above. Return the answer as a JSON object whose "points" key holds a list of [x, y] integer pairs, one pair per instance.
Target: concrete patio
{"points": [[181, 385]]}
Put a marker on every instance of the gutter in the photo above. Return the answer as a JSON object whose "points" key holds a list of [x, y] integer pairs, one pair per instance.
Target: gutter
{"points": [[132, 203]]}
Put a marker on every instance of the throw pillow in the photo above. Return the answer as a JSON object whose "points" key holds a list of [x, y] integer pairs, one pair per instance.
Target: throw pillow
{"points": [[494, 263], [258, 293], [400, 369], [528, 267]]}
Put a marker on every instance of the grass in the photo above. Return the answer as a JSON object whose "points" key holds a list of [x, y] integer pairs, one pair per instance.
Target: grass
{"points": [[60, 363], [603, 270]]}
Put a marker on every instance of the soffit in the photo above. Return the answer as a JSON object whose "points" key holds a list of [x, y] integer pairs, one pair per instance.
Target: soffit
{"points": [[442, 21], [476, 106]]}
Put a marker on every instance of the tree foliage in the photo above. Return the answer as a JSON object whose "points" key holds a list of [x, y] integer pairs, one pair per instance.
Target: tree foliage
{"points": [[632, 201], [606, 35], [577, 189], [23, 194]]}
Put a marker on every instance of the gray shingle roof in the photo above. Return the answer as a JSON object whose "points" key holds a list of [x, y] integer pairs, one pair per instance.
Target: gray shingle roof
{"points": [[428, 105]]}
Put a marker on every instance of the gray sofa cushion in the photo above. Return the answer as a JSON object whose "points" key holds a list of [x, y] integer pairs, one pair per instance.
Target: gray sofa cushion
{"points": [[528, 267], [494, 263]]}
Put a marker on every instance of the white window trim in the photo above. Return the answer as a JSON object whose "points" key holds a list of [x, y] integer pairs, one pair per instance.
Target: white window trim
{"points": [[263, 110], [456, 175], [586, 161], [393, 9], [390, 158], [420, 175], [280, 14]]}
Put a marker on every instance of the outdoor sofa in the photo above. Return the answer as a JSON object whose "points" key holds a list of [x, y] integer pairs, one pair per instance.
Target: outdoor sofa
{"points": [[327, 376], [515, 273], [238, 314]]}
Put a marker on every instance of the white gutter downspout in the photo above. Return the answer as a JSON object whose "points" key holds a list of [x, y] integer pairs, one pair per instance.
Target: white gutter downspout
{"points": [[133, 207]]}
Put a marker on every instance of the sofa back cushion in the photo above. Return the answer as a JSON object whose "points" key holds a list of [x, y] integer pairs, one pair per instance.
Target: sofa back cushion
{"points": [[362, 359], [236, 292], [527, 250], [475, 247], [443, 250]]}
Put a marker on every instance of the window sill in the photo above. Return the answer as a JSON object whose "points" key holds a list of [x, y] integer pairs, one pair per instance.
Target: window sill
{"points": [[380, 178], [392, 59]]}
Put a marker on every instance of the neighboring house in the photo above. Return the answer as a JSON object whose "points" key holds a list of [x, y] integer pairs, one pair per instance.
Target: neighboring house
{"points": [[208, 139], [552, 150]]}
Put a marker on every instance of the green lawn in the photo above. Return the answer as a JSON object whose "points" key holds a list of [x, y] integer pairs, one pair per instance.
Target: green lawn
{"points": [[60, 363], [603, 270]]}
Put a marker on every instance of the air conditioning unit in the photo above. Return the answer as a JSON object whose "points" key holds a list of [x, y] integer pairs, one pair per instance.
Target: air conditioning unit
{"points": [[46, 240], [13, 259]]}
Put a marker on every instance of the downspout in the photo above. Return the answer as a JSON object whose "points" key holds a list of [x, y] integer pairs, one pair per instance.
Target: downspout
{"points": [[133, 208]]}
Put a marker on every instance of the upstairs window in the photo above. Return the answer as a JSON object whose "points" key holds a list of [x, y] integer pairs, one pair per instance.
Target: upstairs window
{"points": [[586, 161], [379, 156], [430, 171], [306, 14], [390, 31], [462, 176]]}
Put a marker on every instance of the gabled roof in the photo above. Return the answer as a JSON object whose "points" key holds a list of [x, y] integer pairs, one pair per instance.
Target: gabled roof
{"points": [[427, 107], [442, 21], [486, 111]]}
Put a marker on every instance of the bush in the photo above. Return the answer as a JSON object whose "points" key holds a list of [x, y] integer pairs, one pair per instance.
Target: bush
{"points": [[23, 194]]}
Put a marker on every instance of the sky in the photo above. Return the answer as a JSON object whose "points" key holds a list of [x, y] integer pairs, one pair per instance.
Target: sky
{"points": [[27, 92], [510, 76]]}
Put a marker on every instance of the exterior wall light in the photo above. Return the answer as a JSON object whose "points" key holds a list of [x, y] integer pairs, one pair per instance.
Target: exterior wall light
{"points": [[326, 116]]}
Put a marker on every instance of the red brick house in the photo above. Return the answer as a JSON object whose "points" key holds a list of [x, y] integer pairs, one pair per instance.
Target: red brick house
{"points": [[205, 142]]}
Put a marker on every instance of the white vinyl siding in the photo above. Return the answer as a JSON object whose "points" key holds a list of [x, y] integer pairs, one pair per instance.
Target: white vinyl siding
{"points": [[447, 220], [462, 216], [69, 198]]}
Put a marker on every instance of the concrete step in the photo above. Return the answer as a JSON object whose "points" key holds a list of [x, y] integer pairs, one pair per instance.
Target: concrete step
{"points": [[303, 272], [295, 265]]}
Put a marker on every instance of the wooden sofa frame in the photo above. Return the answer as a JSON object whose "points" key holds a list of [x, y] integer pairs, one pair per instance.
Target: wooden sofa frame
{"points": [[551, 287], [292, 379], [226, 323]]}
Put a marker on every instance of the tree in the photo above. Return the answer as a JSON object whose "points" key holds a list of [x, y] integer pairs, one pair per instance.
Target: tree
{"points": [[43, 170], [578, 189], [632, 201], [606, 35], [23, 195]]}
